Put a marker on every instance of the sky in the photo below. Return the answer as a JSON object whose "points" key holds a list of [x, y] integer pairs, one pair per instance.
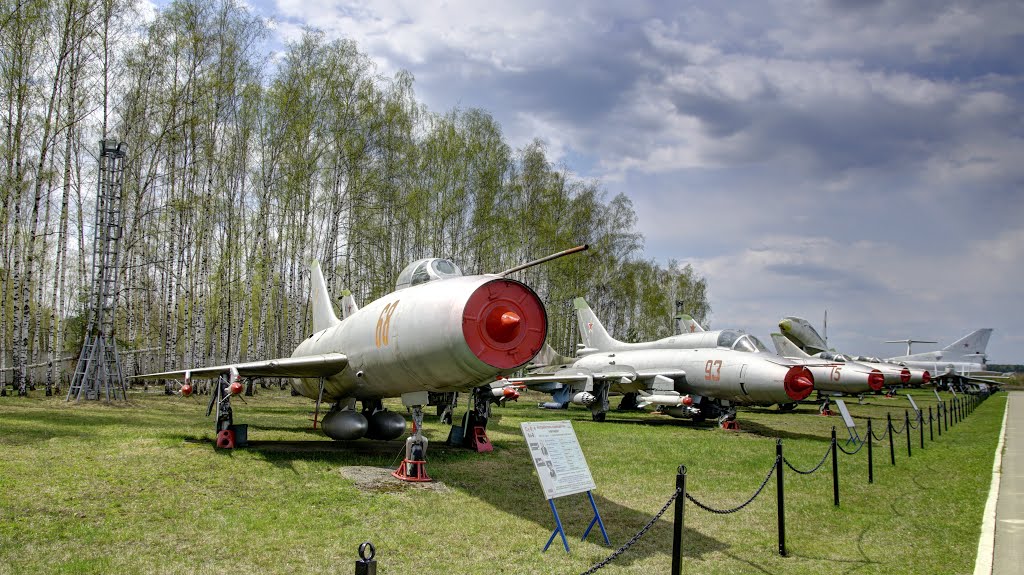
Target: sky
{"points": [[860, 157]]}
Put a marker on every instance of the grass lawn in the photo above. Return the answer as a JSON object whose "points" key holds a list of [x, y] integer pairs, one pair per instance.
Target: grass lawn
{"points": [[137, 487]]}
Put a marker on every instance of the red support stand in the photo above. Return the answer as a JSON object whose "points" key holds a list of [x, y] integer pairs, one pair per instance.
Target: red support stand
{"points": [[412, 471], [479, 440], [826, 412], [731, 425]]}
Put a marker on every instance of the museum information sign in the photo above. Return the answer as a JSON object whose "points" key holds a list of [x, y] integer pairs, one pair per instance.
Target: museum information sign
{"points": [[557, 456]]}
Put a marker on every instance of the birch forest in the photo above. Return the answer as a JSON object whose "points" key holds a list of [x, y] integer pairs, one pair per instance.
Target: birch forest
{"points": [[245, 164]]}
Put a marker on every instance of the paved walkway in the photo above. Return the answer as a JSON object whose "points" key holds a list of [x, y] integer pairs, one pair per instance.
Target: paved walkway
{"points": [[1008, 558]]}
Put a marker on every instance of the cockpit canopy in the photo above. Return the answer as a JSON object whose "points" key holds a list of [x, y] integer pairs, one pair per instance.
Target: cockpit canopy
{"points": [[740, 341], [427, 270], [833, 356]]}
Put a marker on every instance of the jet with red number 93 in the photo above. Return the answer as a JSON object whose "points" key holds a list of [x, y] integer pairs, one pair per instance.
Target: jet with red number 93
{"points": [[438, 333], [693, 375]]}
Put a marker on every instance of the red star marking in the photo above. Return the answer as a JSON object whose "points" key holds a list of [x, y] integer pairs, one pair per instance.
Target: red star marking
{"points": [[590, 326]]}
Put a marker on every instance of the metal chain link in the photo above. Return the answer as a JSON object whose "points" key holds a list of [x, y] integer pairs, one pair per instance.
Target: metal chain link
{"points": [[636, 537], [854, 452], [816, 467], [741, 506], [904, 427], [880, 437]]}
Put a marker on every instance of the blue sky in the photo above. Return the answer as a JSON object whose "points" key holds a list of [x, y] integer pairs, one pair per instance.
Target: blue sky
{"points": [[865, 157]]}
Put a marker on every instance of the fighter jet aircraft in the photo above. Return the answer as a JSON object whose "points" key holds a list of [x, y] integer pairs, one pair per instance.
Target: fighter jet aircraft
{"points": [[958, 363], [800, 331], [439, 331], [692, 375], [840, 375]]}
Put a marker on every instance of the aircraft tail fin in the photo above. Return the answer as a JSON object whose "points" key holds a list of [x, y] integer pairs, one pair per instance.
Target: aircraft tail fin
{"points": [[320, 300], [686, 324], [972, 343], [591, 330], [786, 348], [348, 304]]}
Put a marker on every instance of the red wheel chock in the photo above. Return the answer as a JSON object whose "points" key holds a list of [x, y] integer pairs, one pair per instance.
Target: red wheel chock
{"points": [[412, 471], [226, 439], [731, 425], [826, 412], [479, 440]]}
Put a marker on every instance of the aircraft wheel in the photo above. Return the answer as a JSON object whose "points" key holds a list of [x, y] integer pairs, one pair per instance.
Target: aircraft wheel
{"points": [[787, 406], [599, 416]]}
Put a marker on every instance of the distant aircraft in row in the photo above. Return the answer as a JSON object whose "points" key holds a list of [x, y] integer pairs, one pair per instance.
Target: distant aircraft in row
{"points": [[696, 375], [951, 365]]}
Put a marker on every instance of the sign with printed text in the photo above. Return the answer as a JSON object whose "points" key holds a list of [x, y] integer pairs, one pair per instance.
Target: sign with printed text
{"points": [[847, 419], [913, 404], [557, 456]]}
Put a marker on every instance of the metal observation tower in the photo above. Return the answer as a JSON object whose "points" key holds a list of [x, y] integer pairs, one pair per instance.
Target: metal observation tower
{"points": [[98, 373]]}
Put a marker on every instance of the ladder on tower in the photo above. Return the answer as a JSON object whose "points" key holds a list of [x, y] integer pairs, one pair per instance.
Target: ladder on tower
{"points": [[98, 373]]}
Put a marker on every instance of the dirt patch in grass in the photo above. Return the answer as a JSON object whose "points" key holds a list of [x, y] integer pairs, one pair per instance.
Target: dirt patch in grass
{"points": [[380, 480]]}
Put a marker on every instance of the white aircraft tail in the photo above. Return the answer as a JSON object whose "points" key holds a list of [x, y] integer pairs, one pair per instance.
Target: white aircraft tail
{"points": [[348, 304], [686, 324], [786, 348], [970, 344], [591, 330], [320, 300], [549, 356]]}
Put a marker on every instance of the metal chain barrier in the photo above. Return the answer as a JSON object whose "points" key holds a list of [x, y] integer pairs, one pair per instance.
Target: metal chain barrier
{"points": [[741, 506], [880, 437], [636, 537], [854, 452], [901, 429], [816, 467]]}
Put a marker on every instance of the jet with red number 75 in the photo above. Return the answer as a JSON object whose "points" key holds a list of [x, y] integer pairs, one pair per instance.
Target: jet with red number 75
{"points": [[439, 332], [693, 375]]}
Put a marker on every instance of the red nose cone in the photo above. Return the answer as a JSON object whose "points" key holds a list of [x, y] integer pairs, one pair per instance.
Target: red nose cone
{"points": [[504, 323], [876, 380], [687, 400], [926, 377], [905, 375], [799, 382], [510, 393], [235, 388], [186, 390]]}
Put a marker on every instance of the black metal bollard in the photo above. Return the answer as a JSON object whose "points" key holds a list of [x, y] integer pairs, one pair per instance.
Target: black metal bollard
{"points": [[931, 430], [906, 427], [871, 459], [835, 470], [945, 415], [920, 425], [677, 536], [892, 448], [366, 565], [781, 497]]}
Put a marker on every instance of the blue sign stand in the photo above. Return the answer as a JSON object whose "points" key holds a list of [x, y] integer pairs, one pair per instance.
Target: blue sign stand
{"points": [[560, 531]]}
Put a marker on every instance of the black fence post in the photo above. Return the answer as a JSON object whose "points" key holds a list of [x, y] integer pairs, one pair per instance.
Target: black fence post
{"points": [[892, 447], [677, 539], [906, 427], [871, 459], [920, 425], [931, 429], [366, 565], [835, 470], [781, 496], [945, 415]]}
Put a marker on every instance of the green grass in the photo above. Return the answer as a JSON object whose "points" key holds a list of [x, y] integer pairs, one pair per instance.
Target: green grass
{"points": [[139, 488]]}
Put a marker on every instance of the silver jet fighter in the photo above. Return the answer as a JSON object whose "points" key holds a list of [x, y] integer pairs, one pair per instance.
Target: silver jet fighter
{"points": [[800, 331], [841, 375], [693, 375], [958, 364], [439, 331]]}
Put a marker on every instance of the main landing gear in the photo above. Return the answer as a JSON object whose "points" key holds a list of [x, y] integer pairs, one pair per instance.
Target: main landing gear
{"points": [[414, 466], [229, 435]]}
